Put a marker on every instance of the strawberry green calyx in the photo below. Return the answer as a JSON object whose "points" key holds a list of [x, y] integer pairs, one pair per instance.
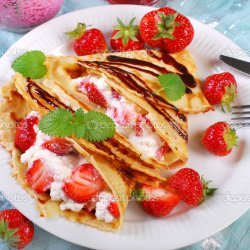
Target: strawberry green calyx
{"points": [[126, 32], [231, 138], [166, 26], [229, 97], [139, 195], [7, 234], [77, 32], [207, 191]]}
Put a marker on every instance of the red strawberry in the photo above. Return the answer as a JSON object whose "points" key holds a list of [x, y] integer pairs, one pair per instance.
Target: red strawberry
{"points": [[167, 29], [95, 95], [188, 184], [59, 146], [85, 183], [162, 151], [114, 209], [122, 117], [115, 94], [25, 134], [142, 121], [221, 89], [87, 42], [220, 138], [15, 228], [156, 201], [139, 125], [126, 38], [39, 177]]}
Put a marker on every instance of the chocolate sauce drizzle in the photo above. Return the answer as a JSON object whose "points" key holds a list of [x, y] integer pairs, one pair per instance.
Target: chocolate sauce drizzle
{"points": [[33, 89], [152, 99]]}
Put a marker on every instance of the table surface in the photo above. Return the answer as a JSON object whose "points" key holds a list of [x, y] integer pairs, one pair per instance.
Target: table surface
{"points": [[232, 18]]}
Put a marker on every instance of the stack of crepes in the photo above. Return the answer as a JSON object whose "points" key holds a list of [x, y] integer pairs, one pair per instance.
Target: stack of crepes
{"points": [[131, 156]]}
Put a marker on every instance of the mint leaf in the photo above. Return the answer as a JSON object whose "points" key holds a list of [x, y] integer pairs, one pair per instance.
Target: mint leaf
{"points": [[93, 126], [31, 64], [57, 123], [173, 86], [78, 121], [98, 126]]}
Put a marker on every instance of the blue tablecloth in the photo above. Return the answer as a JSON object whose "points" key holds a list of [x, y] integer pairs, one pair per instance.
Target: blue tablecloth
{"points": [[231, 17]]}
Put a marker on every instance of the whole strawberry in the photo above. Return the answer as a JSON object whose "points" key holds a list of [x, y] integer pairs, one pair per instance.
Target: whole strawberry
{"points": [[126, 37], [15, 228], [191, 188], [87, 42], [220, 139], [166, 29], [157, 202], [221, 89]]}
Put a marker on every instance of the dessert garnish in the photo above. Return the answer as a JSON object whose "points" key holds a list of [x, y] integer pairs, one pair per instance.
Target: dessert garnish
{"points": [[126, 37], [92, 125], [220, 138], [31, 64], [173, 86]]}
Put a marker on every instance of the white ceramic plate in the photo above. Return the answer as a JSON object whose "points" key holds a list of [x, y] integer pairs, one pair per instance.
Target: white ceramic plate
{"points": [[185, 225]]}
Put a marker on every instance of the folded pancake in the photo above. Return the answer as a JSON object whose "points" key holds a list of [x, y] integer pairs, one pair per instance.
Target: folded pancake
{"points": [[45, 99], [162, 141], [114, 183]]}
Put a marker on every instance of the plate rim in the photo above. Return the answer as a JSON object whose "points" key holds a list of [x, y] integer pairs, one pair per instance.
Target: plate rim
{"points": [[44, 26]]}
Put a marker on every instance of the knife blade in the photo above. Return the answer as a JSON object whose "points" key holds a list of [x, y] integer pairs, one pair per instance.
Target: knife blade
{"points": [[238, 64]]}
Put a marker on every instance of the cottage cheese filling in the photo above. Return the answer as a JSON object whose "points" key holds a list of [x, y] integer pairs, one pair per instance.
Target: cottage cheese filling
{"points": [[61, 167], [148, 143]]}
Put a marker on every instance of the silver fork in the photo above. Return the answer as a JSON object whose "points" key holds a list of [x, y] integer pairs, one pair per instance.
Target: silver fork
{"points": [[240, 116]]}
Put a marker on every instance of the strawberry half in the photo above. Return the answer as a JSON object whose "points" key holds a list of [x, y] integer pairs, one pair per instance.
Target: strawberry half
{"points": [[126, 37], [39, 177], [25, 133], [221, 89], [191, 188], [114, 209], [162, 151], [59, 146], [15, 229], [157, 202], [220, 139], [94, 95], [85, 183]]}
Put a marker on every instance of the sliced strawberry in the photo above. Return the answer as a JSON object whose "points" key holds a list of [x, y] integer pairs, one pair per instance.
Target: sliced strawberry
{"points": [[39, 177], [162, 151], [122, 118], [157, 201], [139, 125], [84, 183], [25, 134], [95, 95], [142, 121], [59, 146], [115, 94], [114, 209], [149, 123]]}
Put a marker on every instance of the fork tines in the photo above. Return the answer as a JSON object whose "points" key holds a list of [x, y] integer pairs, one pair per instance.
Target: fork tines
{"points": [[241, 110]]}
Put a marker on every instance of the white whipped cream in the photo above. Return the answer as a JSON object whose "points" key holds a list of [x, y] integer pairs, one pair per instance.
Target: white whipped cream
{"points": [[102, 212], [61, 167]]}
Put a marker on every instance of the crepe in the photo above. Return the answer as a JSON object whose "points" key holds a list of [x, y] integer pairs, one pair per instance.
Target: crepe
{"points": [[12, 110], [172, 123]]}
